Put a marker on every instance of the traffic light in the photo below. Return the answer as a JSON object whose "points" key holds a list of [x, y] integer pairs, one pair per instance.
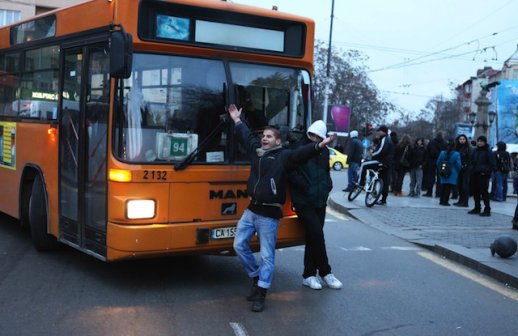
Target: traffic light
{"points": [[368, 128]]}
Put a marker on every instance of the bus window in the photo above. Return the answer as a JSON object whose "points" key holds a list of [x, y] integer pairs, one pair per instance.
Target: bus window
{"points": [[272, 96], [170, 105], [9, 68], [39, 84]]}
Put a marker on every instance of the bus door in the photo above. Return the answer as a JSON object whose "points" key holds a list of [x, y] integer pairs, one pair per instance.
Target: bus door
{"points": [[82, 148]]}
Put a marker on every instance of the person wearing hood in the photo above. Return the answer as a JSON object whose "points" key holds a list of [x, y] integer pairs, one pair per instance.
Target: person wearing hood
{"points": [[354, 160], [503, 167], [267, 191], [463, 146], [482, 165], [311, 183]]}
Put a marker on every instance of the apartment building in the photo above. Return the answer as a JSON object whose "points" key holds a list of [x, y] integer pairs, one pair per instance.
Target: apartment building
{"points": [[16, 10]]}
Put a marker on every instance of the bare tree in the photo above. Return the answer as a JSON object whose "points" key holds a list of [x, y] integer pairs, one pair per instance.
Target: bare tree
{"points": [[349, 85]]}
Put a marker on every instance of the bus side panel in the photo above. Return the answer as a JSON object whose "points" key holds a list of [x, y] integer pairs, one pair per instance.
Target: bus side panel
{"points": [[9, 196], [34, 146]]}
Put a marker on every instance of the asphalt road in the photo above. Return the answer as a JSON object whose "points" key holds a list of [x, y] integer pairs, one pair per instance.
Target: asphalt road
{"points": [[391, 287]]}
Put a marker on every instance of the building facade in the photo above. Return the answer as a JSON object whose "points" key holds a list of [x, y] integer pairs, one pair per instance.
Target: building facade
{"points": [[503, 97], [15, 10], [504, 102]]}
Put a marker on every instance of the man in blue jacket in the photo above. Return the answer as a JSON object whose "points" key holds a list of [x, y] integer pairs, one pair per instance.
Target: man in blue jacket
{"points": [[267, 191]]}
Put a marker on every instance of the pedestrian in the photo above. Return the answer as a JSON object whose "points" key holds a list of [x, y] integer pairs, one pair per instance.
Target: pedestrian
{"points": [[354, 159], [267, 191], [500, 175], [482, 164], [463, 146], [393, 164], [384, 154], [515, 218], [433, 150], [401, 163], [311, 183], [417, 157], [451, 156]]}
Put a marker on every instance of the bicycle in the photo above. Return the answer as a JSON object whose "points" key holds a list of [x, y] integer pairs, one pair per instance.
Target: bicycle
{"points": [[373, 187]]}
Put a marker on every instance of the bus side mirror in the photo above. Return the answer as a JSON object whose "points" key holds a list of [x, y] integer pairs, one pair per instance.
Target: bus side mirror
{"points": [[121, 54]]}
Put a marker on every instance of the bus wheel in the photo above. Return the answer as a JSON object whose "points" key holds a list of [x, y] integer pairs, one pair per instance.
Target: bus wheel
{"points": [[38, 218]]}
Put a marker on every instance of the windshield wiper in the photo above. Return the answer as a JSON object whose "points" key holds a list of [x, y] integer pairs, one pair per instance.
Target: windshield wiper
{"points": [[189, 158]]}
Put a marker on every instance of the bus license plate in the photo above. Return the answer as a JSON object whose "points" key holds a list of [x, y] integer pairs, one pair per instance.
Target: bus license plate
{"points": [[224, 232]]}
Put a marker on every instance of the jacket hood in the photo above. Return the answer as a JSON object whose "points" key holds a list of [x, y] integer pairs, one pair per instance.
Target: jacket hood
{"points": [[318, 128]]}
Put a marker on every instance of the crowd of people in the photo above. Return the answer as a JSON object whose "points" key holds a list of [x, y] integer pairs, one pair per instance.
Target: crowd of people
{"points": [[304, 167], [454, 169]]}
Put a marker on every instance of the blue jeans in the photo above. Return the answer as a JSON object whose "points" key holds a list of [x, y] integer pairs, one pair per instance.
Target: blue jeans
{"points": [[352, 174], [500, 186], [266, 228]]}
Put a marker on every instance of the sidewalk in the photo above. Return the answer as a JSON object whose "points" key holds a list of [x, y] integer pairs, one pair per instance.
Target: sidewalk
{"points": [[448, 231]]}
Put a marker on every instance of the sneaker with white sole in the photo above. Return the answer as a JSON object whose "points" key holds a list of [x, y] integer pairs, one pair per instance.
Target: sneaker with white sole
{"points": [[312, 282], [331, 281]]}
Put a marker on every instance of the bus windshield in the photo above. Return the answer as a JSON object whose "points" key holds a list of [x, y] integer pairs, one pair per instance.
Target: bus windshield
{"points": [[171, 104]]}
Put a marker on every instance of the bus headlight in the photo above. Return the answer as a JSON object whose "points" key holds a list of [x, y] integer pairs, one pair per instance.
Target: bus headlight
{"points": [[140, 209]]}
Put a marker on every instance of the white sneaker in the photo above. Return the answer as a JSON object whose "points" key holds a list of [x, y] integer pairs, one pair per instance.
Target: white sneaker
{"points": [[332, 282], [312, 282]]}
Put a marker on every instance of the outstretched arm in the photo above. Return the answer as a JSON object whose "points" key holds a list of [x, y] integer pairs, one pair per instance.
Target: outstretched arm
{"points": [[327, 140], [235, 113]]}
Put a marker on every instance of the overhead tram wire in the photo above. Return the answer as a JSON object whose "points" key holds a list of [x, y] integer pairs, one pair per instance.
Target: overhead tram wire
{"points": [[411, 62], [473, 24], [407, 64]]}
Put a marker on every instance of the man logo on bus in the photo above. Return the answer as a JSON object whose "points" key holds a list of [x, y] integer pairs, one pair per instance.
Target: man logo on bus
{"points": [[227, 194], [228, 208]]}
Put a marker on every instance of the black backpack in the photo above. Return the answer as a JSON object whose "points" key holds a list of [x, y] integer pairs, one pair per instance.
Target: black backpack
{"points": [[445, 167], [504, 162]]}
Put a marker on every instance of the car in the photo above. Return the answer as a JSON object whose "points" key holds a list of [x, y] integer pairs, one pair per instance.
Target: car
{"points": [[337, 160]]}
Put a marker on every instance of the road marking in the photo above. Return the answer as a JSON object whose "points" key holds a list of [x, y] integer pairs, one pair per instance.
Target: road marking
{"points": [[356, 249], [337, 214], [471, 275], [238, 328], [330, 220], [400, 248]]}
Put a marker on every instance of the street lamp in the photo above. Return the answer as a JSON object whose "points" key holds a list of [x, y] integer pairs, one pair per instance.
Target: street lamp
{"points": [[492, 116], [485, 126]]}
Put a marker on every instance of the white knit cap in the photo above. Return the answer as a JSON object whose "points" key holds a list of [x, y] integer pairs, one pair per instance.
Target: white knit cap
{"points": [[354, 134], [318, 128]]}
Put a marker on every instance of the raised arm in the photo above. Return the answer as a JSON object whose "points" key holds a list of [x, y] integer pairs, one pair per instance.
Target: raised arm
{"points": [[327, 140], [235, 113]]}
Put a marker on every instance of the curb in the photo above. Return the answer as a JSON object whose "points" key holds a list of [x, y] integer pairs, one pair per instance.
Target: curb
{"points": [[462, 255]]}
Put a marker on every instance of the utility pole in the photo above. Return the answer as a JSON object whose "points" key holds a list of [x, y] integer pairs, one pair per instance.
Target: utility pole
{"points": [[328, 69]]}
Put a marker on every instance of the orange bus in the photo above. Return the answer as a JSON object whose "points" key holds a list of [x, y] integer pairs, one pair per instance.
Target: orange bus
{"points": [[114, 134]]}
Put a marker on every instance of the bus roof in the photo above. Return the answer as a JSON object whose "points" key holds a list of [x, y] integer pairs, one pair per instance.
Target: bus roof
{"points": [[76, 13]]}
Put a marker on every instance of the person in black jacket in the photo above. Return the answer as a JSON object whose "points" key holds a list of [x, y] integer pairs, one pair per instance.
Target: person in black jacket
{"points": [[354, 159], [417, 157], [384, 154], [311, 183], [463, 146], [267, 191], [503, 167], [401, 163], [433, 150], [482, 165]]}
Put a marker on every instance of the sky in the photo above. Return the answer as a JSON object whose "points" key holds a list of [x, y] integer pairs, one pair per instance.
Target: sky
{"points": [[415, 48]]}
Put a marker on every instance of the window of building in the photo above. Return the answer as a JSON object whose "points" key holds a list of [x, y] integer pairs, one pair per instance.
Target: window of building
{"points": [[8, 16], [514, 75]]}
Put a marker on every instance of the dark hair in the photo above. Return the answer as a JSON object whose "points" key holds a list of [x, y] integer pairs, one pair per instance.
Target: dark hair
{"points": [[501, 146], [450, 145], [276, 132]]}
